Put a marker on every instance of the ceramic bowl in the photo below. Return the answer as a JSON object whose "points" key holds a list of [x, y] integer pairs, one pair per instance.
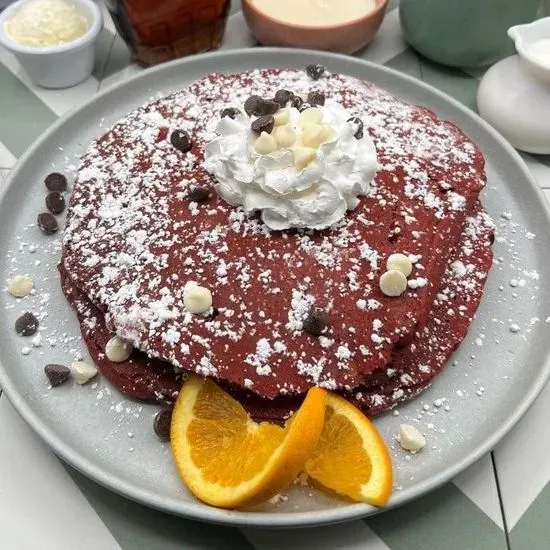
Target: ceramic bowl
{"points": [[343, 38], [59, 66]]}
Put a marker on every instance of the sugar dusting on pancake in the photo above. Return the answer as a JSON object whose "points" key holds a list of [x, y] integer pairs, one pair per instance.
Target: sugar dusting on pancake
{"points": [[134, 239]]}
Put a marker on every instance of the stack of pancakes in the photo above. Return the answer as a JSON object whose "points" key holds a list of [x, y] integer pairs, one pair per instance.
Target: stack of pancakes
{"points": [[134, 238]]}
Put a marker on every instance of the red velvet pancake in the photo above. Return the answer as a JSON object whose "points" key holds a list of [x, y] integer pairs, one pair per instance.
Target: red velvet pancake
{"points": [[134, 239], [409, 372]]}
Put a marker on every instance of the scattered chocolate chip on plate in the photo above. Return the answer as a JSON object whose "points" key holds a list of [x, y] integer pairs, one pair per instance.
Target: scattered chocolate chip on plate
{"points": [[47, 223], [55, 202], [161, 424], [56, 182], [26, 325], [57, 374]]}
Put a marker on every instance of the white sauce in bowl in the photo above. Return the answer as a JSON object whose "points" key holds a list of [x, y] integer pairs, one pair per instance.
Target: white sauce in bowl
{"points": [[315, 12], [46, 23]]}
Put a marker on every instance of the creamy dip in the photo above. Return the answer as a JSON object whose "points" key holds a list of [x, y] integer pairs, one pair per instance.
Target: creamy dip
{"points": [[316, 12], [46, 23]]}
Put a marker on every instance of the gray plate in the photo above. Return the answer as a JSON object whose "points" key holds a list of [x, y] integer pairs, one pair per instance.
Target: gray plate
{"points": [[495, 375]]}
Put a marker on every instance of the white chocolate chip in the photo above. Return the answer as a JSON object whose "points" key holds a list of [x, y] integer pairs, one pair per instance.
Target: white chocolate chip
{"points": [[401, 263], [310, 116], [265, 144], [83, 371], [410, 438], [285, 136], [393, 283], [281, 117], [197, 299], [315, 135], [302, 156], [20, 286], [117, 349]]}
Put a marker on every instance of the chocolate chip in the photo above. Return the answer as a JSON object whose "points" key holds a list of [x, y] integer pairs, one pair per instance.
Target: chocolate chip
{"points": [[304, 106], [263, 124], [162, 422], [315, 72], [257, 106], [359, 124], [55, 202], [297, 102], [47, 223], [231, 112], [180, 140], [26, 325], [198, 194], [316, 98], [251, 105], [56, 182], [282, 97], [267, 107], [316, 322], [57, 374]]}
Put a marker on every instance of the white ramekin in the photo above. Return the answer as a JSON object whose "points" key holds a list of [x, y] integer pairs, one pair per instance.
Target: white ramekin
{"points": [[57, 66]]}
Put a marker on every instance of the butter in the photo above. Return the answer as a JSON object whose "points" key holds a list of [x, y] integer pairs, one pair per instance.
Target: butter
{"points": [[316, 12], [46, 23]]}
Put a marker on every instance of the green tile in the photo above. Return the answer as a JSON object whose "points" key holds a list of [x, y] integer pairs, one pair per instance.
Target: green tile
{"points": [[136, 527], [23, 116], [445, 519], [543, 159], [531, 531], [406, 62], [454, 82]]}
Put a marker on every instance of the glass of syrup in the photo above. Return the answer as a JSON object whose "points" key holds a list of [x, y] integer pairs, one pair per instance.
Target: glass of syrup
{"points": [[160, 30]]}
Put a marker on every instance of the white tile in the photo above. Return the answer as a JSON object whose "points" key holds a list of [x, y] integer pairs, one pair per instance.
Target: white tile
{"points": [[7, 159], [40, 505], [3, 175], [522, 459], [107, 19], [59, 101], [478, 483], [124, 74], [388, 42], [356, 535], [237, 34]]}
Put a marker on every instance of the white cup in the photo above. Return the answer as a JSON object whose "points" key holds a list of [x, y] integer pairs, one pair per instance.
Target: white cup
{"points": [[59, 66]]}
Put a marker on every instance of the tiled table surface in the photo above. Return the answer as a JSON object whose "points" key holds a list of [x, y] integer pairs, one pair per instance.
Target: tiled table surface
{"points": [[502, 502]]}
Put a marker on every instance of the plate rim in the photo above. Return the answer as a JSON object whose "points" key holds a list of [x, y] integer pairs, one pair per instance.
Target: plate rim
{"points": [[203, 512]]}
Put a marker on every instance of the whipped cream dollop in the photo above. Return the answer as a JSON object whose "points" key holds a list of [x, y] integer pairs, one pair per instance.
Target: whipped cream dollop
{"points": [[301, 185]]}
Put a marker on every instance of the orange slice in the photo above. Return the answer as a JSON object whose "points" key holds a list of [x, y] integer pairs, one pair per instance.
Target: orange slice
{"points": [[351, 458], [228, 460]]}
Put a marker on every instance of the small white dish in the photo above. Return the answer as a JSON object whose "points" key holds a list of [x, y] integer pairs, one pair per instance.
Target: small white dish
{"points": [[59, 66], [514, 94]]}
